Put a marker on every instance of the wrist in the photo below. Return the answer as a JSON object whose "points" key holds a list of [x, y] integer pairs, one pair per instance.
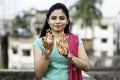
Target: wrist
{"points": [[70, 56], [47, 51], [47, 54]]}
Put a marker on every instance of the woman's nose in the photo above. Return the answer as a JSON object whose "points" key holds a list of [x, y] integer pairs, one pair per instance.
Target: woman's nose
{"points": [[57, 20]]}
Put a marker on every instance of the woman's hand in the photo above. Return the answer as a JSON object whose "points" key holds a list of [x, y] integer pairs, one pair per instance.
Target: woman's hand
{"points": [[48, 42], [62, 46]]}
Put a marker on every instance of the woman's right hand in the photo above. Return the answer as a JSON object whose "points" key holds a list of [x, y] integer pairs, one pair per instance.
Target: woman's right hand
{"points": [[48, 42]]}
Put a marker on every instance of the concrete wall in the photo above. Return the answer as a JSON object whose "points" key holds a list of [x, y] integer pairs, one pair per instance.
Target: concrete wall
{"points": [[25, 75]]}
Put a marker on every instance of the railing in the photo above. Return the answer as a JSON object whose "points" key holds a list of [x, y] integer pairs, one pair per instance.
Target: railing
{"points": [[105, 75], [98, 62], [105, 68], [6, 74], [99, 71]]}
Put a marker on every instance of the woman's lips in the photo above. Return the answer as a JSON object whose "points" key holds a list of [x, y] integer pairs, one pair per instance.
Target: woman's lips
{"points": [[57, 26]]}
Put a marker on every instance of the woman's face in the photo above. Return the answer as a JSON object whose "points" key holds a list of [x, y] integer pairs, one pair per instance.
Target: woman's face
{"points": [[57, 20]]}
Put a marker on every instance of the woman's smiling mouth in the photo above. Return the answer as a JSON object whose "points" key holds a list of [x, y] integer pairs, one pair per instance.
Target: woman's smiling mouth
{"points": [[57, 26]]}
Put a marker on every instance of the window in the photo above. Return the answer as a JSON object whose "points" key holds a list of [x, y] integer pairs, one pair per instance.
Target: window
{"points": [[26, 52], [14, 50], [114, 41], [104, 53], [104, 27], [38, 31], [104, 40]]}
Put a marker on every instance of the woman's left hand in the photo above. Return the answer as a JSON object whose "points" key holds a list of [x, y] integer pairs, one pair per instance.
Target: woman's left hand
{"points": [[62, 46]]}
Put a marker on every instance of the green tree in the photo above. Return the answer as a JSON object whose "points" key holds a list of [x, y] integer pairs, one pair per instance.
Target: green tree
{"points": [[88, 11], [18, 22]]}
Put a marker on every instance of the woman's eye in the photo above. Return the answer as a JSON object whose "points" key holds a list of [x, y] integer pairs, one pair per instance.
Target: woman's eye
{"points": [[62, 18], [53, 18]]}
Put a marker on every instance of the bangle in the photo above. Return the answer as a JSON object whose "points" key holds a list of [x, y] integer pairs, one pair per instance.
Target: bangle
{"points": [[70, 56]]}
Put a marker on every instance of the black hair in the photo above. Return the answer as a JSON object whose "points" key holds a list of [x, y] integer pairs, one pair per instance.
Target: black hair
{"points": [[54, 7]]}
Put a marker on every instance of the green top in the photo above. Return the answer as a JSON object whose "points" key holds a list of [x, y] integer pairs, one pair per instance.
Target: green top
{"points": [[58, 66]]}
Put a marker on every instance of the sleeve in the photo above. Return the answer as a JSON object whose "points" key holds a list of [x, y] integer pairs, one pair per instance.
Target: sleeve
{"points": [[38, 44], [80, 40]]}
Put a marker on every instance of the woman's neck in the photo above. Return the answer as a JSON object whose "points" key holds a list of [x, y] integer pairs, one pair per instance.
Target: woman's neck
{"points": [[57, 34]]}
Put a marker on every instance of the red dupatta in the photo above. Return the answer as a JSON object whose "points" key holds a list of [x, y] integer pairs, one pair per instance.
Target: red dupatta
{"points": [[74, 74]]}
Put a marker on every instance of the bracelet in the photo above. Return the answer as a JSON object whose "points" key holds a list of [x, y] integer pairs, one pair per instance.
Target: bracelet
{"points": [[70, 56]]}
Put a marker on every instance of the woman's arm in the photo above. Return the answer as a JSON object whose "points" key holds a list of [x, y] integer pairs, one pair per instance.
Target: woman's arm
{"points": [[40, 62], [82, 61]]}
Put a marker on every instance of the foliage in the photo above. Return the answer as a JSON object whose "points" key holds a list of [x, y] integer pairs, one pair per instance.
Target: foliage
{"points": [[87, 10], [18, 22], [1, 65]]}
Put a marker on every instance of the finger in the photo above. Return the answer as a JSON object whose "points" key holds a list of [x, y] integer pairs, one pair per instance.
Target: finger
{"points": [[52, 39], [65, 55], [50, 36], [58, 46], [47, 32], [61, 39], [66, 44], [65, 39], [57, 43], [50, 31], [44, 41]]}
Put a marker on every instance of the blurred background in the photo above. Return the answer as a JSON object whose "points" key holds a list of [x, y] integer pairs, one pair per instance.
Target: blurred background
{"points": [[97, 22]]}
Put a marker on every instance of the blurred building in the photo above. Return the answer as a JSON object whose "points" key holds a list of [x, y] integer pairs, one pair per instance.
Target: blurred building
{"points": [[117, 33], [20, 52], [37, 22], [20, 44], [99, 40]]}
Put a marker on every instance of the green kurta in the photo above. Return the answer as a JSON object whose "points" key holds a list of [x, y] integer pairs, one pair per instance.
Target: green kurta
{"points": [[58, 66]]}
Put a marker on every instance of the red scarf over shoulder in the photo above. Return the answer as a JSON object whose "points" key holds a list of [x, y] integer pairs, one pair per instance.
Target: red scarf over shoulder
{"points": [[74, 74]]}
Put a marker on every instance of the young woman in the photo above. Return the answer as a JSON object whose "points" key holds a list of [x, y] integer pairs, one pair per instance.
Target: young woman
{"points": [[59, 54]]}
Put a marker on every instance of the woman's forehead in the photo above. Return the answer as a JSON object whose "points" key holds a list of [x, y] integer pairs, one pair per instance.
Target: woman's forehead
{"points": [[58, 12]]}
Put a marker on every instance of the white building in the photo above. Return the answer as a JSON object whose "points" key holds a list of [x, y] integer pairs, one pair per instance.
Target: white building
{"points": [[20, 53], [103, 37]]}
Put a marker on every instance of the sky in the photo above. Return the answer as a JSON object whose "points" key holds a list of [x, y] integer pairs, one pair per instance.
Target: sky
{"points": [[9, 8]]}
